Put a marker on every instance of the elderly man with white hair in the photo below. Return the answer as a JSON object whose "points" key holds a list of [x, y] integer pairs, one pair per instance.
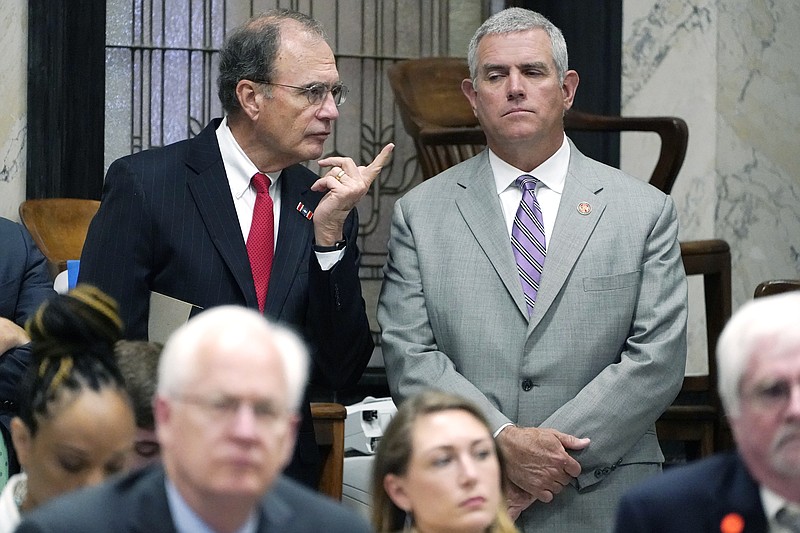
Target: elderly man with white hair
{"points": [[229, 388], [756, 488]]}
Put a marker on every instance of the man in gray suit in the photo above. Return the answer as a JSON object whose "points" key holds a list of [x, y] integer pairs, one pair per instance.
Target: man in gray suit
{"points": [[573, 350], [230, 387]]}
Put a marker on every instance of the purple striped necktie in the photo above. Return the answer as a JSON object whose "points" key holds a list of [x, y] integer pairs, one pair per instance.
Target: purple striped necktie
{"points": [[527, 240]]}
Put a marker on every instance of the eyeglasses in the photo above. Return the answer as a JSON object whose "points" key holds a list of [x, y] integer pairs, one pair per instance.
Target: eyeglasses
{"points": [[317, 92], [225, 408], [771, 395]]}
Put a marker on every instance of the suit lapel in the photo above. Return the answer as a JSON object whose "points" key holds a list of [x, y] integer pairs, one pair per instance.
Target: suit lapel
{"points": [[571, 231], [149, 508], [276, 511], [211, 192], [740, 494], [480, 207], [294, 236]]}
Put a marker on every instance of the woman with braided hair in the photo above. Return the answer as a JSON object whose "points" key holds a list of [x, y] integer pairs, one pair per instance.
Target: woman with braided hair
{"points": [[76, 424]]}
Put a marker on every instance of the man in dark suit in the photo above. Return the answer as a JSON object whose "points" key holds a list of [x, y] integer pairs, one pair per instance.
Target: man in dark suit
{"points": [[24, 284], [229, 387], [188, 220], [757, 488]]}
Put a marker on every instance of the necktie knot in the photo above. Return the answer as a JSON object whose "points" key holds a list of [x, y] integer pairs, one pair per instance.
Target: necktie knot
{"points": [[527, 182], [789, 518], [260, 183]]}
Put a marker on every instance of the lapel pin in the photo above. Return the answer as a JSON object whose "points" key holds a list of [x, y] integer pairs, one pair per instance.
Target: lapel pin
{"points": [[584, 208], [303, 210]]}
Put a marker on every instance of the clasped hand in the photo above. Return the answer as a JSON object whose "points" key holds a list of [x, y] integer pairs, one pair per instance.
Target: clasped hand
{"points": [[11, 335], [539, 466]]}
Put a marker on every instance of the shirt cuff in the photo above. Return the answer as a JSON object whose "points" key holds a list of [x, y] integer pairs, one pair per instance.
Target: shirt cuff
{"points": [[327, 260], [501, 428]]}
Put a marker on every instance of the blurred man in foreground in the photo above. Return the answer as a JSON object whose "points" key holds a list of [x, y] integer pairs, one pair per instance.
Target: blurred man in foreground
{"points": [[229, 388], [756, 488]]}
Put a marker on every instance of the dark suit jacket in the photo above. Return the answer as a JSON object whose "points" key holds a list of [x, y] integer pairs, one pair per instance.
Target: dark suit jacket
{"points": [[137, 502], [24, 284], [167, 223], [694, 499]]}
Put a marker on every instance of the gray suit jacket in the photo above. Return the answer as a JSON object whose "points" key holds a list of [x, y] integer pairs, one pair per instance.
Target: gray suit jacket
{"points": [[137, 502], [603, 354]]}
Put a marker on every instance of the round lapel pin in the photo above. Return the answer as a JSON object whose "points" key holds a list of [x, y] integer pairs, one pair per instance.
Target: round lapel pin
{"points": [[584, 208]]}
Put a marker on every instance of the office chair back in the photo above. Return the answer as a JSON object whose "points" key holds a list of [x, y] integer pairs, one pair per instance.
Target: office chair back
{"points": [[58, 227]]}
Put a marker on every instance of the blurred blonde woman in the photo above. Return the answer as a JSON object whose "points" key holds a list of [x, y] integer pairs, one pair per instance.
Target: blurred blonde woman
{"points": [[438, 469], [75, 425]]}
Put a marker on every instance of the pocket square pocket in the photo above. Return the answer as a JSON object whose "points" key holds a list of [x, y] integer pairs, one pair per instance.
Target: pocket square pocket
{"points": [[610, 283]]}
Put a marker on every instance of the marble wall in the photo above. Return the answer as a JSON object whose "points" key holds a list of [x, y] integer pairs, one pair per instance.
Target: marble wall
{"points": [[730, 69], [13, 105]]}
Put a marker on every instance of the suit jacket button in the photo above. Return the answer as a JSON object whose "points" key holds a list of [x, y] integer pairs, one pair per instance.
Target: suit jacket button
{"points": [[527, 385]]}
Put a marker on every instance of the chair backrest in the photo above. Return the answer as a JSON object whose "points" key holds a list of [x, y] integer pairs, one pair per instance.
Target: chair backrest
{"points": [[435, 112], [58, 227], [445, 131], [776, 286], [672, 131]]}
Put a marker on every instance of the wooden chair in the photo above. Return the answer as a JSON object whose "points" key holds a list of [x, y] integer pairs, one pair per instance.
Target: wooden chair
{"points": [[437, 116], [58, 227], [699, 421], [445, 132], [776, 286], [329, 430], [435, 112]]}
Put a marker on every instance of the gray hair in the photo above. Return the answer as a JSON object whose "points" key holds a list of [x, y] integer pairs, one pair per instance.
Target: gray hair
{"points": [[516, 19], [768, 325], [249, 51], [184, 345]]}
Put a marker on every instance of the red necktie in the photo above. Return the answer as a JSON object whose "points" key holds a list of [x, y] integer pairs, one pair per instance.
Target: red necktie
{"points": [[260, 247]]}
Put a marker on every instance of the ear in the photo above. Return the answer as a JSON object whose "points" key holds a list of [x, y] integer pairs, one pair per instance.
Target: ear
{"points": [[736, 429], [250, 97], [162, 413], [21, 437], [468, 88], [289, 439], [395, 487], [569, 88]]}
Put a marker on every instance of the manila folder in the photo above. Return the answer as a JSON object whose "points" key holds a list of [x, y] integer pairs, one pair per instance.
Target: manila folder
{"points": [[166, 315]]}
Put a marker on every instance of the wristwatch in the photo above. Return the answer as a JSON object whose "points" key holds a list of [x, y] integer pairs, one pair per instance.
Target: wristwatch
{"points": [[338, 245]]}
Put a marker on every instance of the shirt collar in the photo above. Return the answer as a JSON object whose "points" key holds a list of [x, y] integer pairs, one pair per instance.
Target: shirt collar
{"points": [[240, 168], [186, 520], [773, 503], [552, 172]]}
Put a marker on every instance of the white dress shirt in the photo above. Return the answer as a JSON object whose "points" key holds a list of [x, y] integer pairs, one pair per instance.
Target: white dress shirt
{"points": [[240, 170], [551, 175], [772, 504]]}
